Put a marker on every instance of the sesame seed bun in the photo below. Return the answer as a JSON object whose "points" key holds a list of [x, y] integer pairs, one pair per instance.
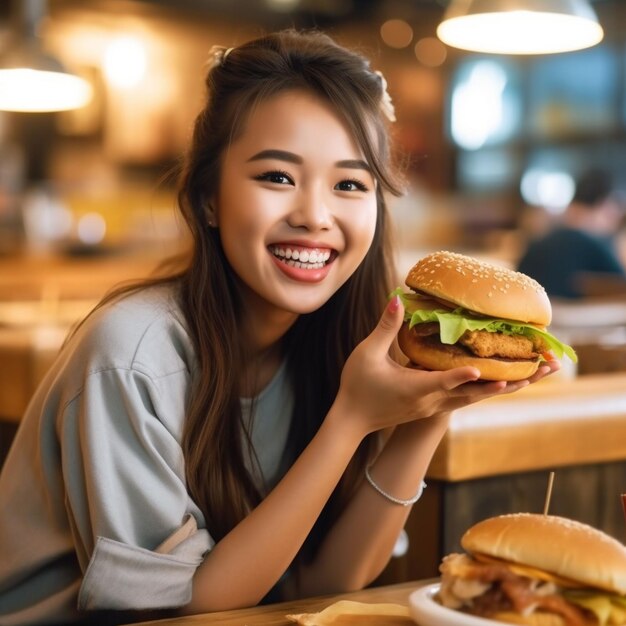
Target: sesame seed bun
{"points": [[481, 287], [560, 546], [453, 280]]}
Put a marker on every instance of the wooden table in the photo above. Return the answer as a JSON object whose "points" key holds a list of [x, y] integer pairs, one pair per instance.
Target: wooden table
{"points": [[274, 614], [26, 354], [36, 277], [555, 423]]}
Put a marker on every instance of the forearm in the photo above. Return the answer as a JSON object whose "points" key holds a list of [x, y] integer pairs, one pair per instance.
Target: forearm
{"points": [[248, 561], [360, 544]]}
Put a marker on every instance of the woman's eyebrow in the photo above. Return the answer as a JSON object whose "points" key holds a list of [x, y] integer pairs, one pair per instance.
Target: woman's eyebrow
{"points": [[356, 164], [281, 155], [290, 157]]}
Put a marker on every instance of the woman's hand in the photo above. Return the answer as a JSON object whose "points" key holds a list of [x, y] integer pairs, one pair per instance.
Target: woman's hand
{"points": [[379, 393]]}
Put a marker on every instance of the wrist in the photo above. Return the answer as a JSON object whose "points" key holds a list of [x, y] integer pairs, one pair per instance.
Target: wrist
{"points": [[418, 440], [345, 423], [436, 424]]}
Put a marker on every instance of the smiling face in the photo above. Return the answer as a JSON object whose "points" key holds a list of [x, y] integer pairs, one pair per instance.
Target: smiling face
{"points": [[296, 206]]}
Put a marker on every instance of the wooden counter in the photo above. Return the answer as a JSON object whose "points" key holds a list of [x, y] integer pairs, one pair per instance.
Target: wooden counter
{"points": [[553, 423], [25, 356], [33, 277]]}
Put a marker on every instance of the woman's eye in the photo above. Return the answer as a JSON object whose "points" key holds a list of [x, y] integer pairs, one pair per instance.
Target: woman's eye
{"points": [[277, 177], [351, 185]]}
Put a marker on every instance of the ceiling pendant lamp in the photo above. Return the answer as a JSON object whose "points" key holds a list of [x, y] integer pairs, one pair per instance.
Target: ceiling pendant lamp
{"points": [[31, 80], [520, 26]]}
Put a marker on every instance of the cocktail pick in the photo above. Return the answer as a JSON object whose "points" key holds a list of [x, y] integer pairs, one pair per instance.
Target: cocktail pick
{"points": [[546, 504]]}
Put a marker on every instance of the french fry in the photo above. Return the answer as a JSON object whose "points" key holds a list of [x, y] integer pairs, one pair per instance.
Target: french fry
{"points": [[347, 612]]}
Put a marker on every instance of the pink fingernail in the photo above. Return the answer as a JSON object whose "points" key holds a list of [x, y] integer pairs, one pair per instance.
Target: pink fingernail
{"points": [[394, 304]]}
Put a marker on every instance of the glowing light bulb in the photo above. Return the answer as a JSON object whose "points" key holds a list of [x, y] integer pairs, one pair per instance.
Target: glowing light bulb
{"points": [[30, 90], [125, 62], [520, 32]]}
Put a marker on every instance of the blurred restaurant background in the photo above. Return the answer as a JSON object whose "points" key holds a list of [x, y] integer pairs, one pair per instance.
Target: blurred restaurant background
{"points": [[493, 144]]}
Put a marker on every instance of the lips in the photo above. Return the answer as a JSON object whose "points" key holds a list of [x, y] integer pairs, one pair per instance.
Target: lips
{"points": [[303, 264]]}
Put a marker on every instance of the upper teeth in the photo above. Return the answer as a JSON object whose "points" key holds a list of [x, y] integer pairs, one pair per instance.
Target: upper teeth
{"points": [[303, 256]]}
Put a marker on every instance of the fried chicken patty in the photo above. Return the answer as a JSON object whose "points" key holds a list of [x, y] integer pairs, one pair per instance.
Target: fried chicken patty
{"points": [[484, 344]]}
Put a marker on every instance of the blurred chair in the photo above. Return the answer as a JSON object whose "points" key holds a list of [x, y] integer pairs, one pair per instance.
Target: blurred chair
{"points": [[596, 328], [601, 285]]}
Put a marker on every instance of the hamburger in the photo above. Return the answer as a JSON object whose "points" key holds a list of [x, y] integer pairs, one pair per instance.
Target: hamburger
{"points": [[541, 570], [463, 311]]}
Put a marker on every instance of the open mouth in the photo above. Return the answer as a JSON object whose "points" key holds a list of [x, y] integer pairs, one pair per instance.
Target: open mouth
{"points": [[303, 258]]}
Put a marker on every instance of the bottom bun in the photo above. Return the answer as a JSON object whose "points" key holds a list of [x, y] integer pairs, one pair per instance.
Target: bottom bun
{"points": [[537, 618], [428, 353]]}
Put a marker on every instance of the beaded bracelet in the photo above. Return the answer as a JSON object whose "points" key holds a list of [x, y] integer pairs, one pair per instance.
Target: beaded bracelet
{"points": [[391, 498]]}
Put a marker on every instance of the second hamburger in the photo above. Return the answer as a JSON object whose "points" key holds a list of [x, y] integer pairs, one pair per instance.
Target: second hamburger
{"points": [[538, 570], [467, 312]]}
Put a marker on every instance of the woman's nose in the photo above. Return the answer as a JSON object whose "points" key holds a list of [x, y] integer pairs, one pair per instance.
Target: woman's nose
{"points": [[312, 211]]}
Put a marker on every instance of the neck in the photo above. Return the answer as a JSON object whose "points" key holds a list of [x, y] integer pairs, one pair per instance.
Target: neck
{"points": [[265, 326], [261, 366], [265, 332]]}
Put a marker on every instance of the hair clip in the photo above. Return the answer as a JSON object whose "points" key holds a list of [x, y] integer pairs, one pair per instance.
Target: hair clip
{"points": [[386, 104], [217, 56]]}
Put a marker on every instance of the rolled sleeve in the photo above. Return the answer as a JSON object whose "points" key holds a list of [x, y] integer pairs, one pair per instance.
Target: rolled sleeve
{"points": [[122, 577], [133, 521]]}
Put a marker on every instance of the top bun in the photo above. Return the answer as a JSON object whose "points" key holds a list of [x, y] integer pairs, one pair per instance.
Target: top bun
{"points": [[553, 544], [481, 287]]}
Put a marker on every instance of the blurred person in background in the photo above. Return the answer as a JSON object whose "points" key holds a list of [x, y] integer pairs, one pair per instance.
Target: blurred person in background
{"points": [[578, 256]]}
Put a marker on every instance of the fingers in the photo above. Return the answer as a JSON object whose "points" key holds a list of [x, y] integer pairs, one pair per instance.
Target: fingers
{"points": [[513, 386], [387, 328], [549, 367], [451, 379], [456, 388]]}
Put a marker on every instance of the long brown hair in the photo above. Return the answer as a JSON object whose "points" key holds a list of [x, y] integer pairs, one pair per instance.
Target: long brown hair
{"points": [[214, 435]]}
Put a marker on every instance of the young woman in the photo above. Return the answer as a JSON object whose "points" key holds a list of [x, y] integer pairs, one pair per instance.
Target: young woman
{"points": [[203, 440]]}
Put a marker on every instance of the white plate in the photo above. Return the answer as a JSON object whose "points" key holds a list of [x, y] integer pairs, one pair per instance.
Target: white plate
{"points": [[426, 611]]}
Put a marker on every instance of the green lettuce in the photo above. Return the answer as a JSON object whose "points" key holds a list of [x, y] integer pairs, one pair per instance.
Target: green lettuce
{"points": [[452, 324]]}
